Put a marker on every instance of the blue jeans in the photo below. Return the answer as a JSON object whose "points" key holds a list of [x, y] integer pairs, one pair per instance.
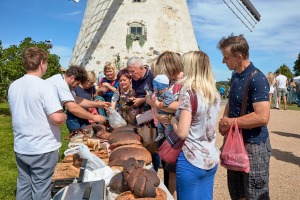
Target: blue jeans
{"points": [[298, 95], [193, 182], [75, 124]]}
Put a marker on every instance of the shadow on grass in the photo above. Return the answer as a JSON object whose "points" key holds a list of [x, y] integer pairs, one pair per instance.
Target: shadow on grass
{"points": [[285, 156], [5, 112], [286, 134]]}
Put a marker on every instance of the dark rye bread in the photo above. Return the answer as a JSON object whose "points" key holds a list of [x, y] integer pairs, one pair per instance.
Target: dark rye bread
{"points": [[118, 184], [116, 137], [139, 186], [124, 142], [124, 129], [122, 153]]}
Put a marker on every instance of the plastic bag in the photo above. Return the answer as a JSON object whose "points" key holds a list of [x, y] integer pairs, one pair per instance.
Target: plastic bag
{"points": [[94, 111], [93, 162], [115, 120], [234, 156]]}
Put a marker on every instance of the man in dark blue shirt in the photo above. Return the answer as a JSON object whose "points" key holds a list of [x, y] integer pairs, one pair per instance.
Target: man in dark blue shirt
{"points": [[255, 184], [142, 79]]}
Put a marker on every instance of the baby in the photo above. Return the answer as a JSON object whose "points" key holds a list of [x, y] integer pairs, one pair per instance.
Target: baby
{"points": [[165, 97]]}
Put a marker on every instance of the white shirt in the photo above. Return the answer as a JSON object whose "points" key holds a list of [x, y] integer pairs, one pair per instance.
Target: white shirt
{"points": [[200, 145], [32, 100], [62, 87], [281, 80]]}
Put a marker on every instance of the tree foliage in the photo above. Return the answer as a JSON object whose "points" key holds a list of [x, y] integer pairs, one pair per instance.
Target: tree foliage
{"points": [[297, 66], [11, 63], [285, 70]]}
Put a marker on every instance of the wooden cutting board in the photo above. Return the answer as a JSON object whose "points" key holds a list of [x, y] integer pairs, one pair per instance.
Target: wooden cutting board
{"points": [[65, 170]]}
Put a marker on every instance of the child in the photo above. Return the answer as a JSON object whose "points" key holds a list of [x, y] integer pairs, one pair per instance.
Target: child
{"points": [[165, 97]]}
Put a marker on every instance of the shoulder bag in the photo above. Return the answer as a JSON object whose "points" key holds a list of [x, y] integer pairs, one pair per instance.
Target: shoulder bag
{"points": [[172, 145], [234, 155]]}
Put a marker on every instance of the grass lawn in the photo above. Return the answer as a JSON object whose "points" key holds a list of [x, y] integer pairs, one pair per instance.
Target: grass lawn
{"points": [[8, 169]]}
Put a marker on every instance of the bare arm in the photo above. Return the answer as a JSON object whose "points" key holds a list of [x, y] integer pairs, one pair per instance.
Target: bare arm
{"points": [[80, 112], [91, 104], [182, 127], [226, 110], [113, 105], [260, 117], [58, 118], [171, 108]]}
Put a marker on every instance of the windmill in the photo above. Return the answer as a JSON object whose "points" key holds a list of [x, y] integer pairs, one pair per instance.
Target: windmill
{"points": [[118, 29]]}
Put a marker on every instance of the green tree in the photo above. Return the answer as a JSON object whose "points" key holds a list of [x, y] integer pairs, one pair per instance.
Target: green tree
{"points": [[11, 63], [297, 66], [285, 70]]}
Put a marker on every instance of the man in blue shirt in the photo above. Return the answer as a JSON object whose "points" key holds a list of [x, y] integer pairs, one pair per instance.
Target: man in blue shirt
{"points": [[255, 184]]}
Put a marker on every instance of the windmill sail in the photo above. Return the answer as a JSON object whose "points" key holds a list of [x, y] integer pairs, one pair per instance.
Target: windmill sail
{"points": [[143, 28]]}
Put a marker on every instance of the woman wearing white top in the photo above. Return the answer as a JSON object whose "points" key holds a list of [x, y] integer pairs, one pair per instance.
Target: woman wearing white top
{"points": [[197, 163], [272, 81]]}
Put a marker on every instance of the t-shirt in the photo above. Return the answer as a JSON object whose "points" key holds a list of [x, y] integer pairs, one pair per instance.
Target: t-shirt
{"points": [[200, 145], [258, 92], [83, 93], [64, 92], [140, 87], [107, 95], [32, 100], [145, 83], [281, 80]]}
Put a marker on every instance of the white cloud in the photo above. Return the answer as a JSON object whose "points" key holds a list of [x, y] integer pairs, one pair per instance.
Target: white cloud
{"points": [[73, 13], [275, 40]]}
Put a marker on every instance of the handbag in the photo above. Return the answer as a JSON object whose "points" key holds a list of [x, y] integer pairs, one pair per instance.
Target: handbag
{"points": [[148, 134], [234, 155], [171, 147]]}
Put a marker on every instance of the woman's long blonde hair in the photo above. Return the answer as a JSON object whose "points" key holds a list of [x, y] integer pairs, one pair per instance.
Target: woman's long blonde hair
{"points": [[271, 78], [199, 76]]}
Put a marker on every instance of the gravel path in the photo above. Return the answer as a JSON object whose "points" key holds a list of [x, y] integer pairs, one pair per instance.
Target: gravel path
{"points": [[284, 128]]}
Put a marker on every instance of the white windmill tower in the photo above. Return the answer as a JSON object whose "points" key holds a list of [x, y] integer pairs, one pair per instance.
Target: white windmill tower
{"points": [[124, 28]]}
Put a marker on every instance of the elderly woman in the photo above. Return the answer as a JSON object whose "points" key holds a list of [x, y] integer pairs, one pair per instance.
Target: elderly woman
{"points": [[108, 84]]}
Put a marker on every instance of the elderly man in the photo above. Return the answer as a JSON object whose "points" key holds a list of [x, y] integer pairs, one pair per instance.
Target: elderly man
{"points": [[142, 79], [74, 104], [255, 184]]}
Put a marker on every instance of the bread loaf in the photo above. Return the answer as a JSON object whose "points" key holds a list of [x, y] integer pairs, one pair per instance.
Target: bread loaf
{"points": [[116, 137], [122, 153]]}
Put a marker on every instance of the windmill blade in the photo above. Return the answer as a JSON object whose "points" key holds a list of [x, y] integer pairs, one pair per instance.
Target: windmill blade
{"points": [[92, 27]]}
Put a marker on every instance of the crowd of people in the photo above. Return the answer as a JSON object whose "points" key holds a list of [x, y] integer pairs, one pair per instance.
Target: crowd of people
{"points": [[283, 90], [169, 88]]}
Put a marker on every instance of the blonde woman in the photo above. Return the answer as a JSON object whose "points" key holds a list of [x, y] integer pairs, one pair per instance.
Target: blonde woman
{"points": [[87, 91], [108, 84], [271, 80], [197, 163]]}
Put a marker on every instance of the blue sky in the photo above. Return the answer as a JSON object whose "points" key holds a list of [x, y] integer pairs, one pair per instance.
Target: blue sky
{"points": [[274, 41]]}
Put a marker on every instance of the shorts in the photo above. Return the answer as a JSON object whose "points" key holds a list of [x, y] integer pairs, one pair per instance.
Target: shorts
{"points": [[281, 92], [254, 185]]}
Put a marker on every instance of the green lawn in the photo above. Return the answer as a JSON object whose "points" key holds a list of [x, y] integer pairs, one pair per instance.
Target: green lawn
{"points": [[8, 168]]}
